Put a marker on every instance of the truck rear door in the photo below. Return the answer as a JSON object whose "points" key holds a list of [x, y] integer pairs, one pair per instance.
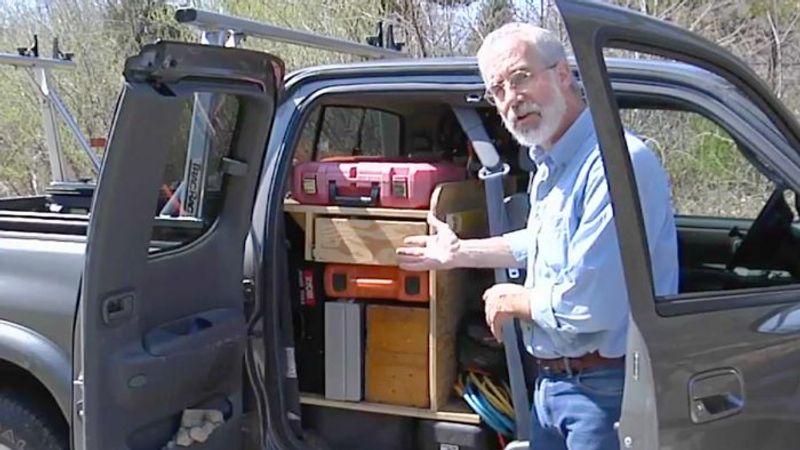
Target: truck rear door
{"points": [[162, 322], [717, 368]]}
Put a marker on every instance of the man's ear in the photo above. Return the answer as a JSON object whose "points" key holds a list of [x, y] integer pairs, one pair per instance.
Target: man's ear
{"points": [[564, 74]]}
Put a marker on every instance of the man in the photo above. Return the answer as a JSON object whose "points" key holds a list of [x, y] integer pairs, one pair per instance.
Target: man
{"points": [[574, 300]]}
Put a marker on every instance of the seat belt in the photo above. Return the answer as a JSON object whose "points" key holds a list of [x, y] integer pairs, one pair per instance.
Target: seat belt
{"points": [[492, 174]]}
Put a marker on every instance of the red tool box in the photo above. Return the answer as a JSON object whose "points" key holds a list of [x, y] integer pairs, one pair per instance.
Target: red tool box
{"points": [[371, 181], [375, 282]]}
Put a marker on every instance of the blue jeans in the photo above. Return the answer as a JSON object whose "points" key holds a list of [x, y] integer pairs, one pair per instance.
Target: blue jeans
{"points": [[578, 411]]}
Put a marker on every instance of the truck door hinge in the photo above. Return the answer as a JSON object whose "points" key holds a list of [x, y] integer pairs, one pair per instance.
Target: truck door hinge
{"points": [[78, 393], [249, 290]]}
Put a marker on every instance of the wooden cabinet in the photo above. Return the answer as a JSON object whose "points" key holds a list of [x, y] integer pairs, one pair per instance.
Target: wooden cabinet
{"points": [[426, 364]]}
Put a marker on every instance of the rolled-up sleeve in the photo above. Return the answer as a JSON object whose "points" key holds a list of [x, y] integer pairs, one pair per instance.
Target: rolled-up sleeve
{"points": [[519, 241], [588, 294]]}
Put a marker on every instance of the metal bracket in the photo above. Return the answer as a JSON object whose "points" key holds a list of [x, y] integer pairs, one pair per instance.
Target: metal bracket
{"points": [[234, 167]]}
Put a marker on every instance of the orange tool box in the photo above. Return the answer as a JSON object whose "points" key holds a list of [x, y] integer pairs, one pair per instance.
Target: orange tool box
{"points": [[375, 282]]}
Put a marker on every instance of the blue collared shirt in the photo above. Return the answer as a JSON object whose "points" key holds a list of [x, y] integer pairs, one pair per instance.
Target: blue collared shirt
{"points": [[579, 301]]}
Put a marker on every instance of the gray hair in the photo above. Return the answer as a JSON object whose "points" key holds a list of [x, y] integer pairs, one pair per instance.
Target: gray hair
{"points": [[549, 49]]}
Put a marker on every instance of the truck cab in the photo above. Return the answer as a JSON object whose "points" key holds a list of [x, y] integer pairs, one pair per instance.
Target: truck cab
{"points": [[188, 330]]}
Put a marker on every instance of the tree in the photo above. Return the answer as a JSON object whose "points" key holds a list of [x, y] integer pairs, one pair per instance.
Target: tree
{"points": [[138, 22], [493, 14]]}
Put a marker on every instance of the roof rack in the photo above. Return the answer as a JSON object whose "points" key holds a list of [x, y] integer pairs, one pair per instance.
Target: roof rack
{"points": [[221, 29], [39, 71]]}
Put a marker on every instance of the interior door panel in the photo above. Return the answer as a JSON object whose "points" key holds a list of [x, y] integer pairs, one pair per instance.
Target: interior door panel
{"points": [[161, 327]]}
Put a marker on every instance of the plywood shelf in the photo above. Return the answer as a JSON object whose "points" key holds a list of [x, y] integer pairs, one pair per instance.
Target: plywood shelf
{"points": [[458, 413]]}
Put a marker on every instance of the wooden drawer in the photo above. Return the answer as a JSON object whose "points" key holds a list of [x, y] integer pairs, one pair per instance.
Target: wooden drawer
{"points": [[360, 241]]}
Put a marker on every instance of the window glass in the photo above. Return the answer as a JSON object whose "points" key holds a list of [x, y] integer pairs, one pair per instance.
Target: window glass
{"points": [[191, 192], [736, 229], [708, 172], [335, 131]]}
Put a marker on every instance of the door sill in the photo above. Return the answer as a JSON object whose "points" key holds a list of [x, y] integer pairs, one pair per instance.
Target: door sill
{"points": [[452, 412]]}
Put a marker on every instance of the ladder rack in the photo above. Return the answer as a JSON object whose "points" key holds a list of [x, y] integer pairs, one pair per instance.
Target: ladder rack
{"points": [[38, 69], [219, 28]]}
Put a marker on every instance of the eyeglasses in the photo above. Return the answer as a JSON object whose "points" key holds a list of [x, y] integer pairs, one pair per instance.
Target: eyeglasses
{"points": [[519, 80]]}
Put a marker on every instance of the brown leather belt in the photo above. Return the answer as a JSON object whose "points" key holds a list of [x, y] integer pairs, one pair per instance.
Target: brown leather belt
{"points": [[576, 365]]}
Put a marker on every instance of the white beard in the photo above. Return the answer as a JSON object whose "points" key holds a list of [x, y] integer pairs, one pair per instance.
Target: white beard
{"points": [[548, 125]]}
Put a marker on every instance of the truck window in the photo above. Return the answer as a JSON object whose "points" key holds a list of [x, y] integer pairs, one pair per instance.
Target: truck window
{"points": [[708, 172], [335, 131], [191, 191], [718, 194]]}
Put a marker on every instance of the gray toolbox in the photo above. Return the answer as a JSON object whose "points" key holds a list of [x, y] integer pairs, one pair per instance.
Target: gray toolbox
{"points": [[344, 343]]}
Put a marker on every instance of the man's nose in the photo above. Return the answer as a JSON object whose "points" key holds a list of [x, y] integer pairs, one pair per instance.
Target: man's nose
{"points": [[514, 101]]}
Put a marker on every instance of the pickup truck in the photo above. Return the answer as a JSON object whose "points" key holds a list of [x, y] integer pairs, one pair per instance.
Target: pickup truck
{"points": [[173, 292]]}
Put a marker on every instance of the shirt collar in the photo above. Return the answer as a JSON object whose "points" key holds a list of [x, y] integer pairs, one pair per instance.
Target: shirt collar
{"points": [[569, 143]]}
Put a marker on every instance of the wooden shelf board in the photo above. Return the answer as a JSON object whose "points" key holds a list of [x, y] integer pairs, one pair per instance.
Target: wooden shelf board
{"points": [[459, 413], [291, 205]]}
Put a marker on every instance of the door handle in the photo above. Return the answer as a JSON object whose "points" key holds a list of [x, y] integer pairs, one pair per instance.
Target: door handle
{"points": [[715, 395], [118, 308]]}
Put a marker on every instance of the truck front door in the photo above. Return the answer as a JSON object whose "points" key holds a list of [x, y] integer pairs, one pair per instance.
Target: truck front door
{"points": [[716, 366]]}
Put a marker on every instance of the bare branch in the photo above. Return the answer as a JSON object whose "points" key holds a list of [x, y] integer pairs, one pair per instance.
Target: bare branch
{"points": [[701, 16], [775, 67]]}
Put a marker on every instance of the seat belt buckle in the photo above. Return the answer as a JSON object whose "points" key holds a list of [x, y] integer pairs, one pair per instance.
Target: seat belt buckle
{"points": [[485, 173]]}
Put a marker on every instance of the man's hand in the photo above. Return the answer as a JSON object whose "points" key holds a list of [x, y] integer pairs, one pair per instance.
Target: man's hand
{"points": [[430, 252], [503, 301]]}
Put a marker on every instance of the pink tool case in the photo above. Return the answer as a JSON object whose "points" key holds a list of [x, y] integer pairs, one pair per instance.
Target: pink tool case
{"points": [[371, 181]]}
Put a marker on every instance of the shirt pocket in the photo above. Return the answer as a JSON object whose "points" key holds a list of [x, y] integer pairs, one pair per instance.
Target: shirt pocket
{"points": [[553, 243]]}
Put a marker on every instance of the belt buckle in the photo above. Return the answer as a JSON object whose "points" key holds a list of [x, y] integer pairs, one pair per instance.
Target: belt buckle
{"points": [[567, 367], [552, 369], [546, 369]]}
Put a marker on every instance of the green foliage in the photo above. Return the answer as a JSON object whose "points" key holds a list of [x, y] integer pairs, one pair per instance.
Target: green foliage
{"points": [[709, 174], [716, 152]]}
